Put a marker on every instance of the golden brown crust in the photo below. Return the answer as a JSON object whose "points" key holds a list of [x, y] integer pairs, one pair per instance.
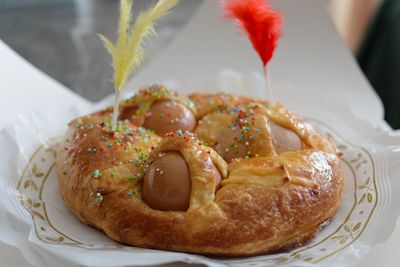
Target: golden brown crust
{"points": [[206, 103], [266, 203]]}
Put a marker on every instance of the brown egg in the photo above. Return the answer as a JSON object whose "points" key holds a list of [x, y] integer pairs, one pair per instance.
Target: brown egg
{"points": [[231, 144], [167, 184], [284, 139], [169, 116]]}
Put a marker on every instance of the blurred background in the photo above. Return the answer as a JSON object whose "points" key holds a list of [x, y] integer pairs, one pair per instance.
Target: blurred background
{"points": [[67, 48]]}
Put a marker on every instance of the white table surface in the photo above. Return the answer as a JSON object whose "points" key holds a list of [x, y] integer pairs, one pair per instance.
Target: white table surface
{"points": [[316, 61]]}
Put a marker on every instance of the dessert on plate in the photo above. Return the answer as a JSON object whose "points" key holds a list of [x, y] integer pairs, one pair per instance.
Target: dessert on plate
{"points": [[244, 177], [215, 174]]}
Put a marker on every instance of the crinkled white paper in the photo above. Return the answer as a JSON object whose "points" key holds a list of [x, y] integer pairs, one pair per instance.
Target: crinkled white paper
{"points": [[39, 224]]}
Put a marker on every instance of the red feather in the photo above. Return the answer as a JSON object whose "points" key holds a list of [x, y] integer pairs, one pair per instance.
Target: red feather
{"points": [[259, 21]]}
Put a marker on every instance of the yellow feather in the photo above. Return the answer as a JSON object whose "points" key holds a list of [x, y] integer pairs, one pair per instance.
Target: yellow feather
{"points": [[125, 20], [128, 53], [107, 44]]}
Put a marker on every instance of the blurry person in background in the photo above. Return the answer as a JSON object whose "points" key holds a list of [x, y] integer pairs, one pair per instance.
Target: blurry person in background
{"points": [[371, 30], [379, 58]]}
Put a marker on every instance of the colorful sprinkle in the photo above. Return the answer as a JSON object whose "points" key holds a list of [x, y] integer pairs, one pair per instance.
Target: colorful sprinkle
{"points": [[99, 198], [91, 150], [133, 192], [96, 174]]}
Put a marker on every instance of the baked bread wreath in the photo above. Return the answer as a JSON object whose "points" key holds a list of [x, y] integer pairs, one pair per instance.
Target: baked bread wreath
{"points": [[213, 174]]}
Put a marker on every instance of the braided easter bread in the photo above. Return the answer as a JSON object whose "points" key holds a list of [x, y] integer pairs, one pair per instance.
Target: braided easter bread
{"points": [[245, 177]]}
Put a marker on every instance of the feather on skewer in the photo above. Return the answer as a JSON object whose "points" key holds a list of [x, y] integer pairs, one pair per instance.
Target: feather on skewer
{"points": [[128, 52], [259, 22]]}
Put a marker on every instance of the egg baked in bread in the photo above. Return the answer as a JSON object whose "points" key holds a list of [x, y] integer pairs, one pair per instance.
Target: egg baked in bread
{"points": [[213, 174]]}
